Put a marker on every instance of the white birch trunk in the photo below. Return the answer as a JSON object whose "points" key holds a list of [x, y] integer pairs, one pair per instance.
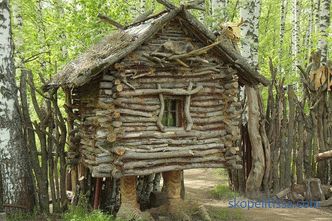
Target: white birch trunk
{"points": [[308, 36], [324, 23], [283, 7], [317, 10], [295, 34], [250, 12], [143, 6], [16, 177], [219, 11]]}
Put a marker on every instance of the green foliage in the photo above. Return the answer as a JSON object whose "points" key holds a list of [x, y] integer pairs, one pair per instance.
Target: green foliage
{"points": [[78, 215], [22, 216], [222, 191], [81, 212], [225, 214]]}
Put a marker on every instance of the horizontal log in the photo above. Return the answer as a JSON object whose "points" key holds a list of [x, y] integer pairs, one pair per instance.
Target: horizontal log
{"points": [[88, 163], [90, 150], [165, 162], [135, 113], [102, 133], [170, 134], [206, 97], [104, 159], [185, 153], [103, 112], [209, 71], [103, 168], [143, 107], [324, 155], [107, 77], [176, 85], [147, 128], [140, 92], [107, 92], [167, 148], [216, 126], [144, 143], [106, 100], [126, 119], [139, 100], [138, 124], [206, 109], [98, 174], [163, 168], [116, 123], [236, 158], [197, 79], [106, 85], [215, 102], [209, 120], [103, 119], [207, 114], [87, 142], [233, 85], [105, 105]]}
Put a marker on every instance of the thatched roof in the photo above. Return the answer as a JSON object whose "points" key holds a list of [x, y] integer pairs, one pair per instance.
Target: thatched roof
{"points": [[119, 44]]}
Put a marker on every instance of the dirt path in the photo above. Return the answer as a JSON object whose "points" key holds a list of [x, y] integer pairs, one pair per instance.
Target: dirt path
{"points": [[199, 183]]}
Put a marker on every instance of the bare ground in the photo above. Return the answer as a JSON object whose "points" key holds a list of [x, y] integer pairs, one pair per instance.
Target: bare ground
{"points": [[200, 182]]}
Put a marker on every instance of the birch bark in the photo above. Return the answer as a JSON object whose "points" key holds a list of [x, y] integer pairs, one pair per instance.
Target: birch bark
{"points": [[250, 12], [16, 175], [324, 24], [295, 34], [283, 7], [219, 9]]}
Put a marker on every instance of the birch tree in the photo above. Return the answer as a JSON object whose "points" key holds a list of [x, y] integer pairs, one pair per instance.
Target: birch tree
{"points": [[143, 6], [16, 179], [295, 34], [283, 7], [250, 11], [317, 9], [219, 10], [324, 24]]}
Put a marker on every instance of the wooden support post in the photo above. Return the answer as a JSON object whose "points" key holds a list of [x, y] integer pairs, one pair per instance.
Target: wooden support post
{"points": [[1, 196], [162, 109], [74, 179], [187, 107], [172, 181], [96, 201]]}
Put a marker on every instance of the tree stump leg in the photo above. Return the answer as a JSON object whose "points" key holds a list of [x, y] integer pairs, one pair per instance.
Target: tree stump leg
{"points": [[129, 209], [172, 183]]}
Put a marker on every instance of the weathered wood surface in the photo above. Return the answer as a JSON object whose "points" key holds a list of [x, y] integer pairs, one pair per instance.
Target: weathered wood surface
{"points": [[324, 155], [121, 113]]}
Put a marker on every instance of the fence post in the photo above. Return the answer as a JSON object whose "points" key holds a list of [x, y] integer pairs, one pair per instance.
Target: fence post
{"points": [[2, 211]]}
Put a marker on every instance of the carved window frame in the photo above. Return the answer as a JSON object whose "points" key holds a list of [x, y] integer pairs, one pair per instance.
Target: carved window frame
{"points": [[188, 122]]}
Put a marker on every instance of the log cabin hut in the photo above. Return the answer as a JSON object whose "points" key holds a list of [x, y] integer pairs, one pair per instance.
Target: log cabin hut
{"points": [[160, 95]]}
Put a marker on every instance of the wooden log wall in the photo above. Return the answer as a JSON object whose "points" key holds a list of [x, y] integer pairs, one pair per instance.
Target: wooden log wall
{"points": [[120, 131]]}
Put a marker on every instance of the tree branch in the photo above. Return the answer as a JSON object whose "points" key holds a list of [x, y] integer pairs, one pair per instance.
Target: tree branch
{"points": [[167, 4], [110, 21]]}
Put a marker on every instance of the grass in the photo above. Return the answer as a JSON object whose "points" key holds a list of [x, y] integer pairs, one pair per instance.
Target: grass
{"points": [[226, 214], [79, 215], [222, 191], [82, 212], [19, 216]]}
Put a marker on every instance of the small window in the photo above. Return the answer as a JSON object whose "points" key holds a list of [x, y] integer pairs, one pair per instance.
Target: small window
{"points": [[173, 113]]}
